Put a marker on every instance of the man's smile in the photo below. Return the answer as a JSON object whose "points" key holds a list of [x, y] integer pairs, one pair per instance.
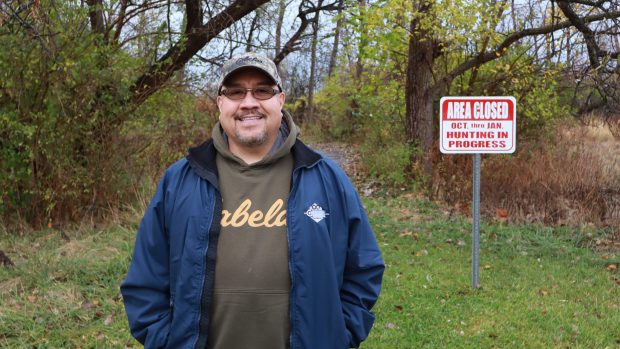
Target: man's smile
{"points": [[249, 119]]}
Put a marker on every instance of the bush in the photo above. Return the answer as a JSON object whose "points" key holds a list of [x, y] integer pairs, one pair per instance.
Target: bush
{"points": [[370, 112], [559, 180], [71, 140]]}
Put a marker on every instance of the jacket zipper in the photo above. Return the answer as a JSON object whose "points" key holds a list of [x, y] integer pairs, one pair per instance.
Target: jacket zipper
{"points": [[206, 298], [290, 262]]}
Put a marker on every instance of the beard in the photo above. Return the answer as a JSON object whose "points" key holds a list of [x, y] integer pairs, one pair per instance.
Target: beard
{"points": [[254, 139]]}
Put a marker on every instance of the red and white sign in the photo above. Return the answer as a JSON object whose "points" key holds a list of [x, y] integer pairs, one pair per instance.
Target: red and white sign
{"points": [[477, 125]]}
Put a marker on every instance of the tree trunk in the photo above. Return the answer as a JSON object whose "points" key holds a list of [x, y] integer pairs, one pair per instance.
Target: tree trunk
{"points": [[253, 26], [334, 55], [419, 90], [95, 12], [315, 39], [281, 11], [359, 65]]}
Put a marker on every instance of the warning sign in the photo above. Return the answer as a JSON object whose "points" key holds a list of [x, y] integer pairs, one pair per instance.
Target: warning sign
{"points": [[477, 125]]}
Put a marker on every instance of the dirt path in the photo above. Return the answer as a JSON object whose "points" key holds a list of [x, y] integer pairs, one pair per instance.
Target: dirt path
{"points": [[346, 156]]}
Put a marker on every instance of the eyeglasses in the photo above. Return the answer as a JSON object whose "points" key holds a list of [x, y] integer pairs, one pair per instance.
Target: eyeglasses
{"points": [[238, 93]]}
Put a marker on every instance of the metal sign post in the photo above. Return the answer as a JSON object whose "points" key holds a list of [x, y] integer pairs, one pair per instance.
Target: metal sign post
{"points": [[475, 232], [477, 125]]}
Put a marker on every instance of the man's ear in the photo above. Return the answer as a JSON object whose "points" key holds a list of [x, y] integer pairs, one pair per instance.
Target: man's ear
{"points": [[218, 100], [282, 99]]}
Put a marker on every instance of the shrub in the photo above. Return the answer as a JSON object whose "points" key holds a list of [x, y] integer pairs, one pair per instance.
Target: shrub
{"points": [[70, 137], [559, 180]]}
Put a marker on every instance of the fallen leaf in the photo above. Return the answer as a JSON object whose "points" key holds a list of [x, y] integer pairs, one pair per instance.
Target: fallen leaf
{"points": [[501, 213], [409, 233], [390, 326], [543, 293], [421, 253], [612, 267], [461, 243], [32, 299], [399, 308], [487, 266], [405, 212], [406, 233], [108, 320]]}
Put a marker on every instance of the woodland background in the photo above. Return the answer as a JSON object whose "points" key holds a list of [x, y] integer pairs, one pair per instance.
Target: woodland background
{"points": [[96, 96]]}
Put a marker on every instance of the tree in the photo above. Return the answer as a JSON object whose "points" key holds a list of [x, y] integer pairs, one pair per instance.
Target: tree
{"points": [[336, 45], [71, 76], [426, 82], [75, 77], [306, 8], [312, 79], [195, 36]]}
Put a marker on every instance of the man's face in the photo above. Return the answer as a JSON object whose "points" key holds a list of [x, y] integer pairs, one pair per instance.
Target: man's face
{"points": [[250, 122]]}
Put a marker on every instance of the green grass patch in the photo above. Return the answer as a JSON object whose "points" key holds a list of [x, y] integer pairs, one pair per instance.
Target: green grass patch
{"points": [[541, 287], [65, 294]]}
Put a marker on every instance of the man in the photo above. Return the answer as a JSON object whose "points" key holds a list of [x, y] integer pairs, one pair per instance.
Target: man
{"points": [[253, 240]]}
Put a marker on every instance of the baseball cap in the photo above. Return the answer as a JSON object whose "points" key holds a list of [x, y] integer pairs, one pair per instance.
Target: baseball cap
{"points": [[250, 60]]}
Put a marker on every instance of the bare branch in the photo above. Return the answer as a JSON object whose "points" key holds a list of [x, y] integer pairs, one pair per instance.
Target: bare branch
{"points": [[294, 41], [195, 38], [120, 21], [501, 49], [594, 50]]}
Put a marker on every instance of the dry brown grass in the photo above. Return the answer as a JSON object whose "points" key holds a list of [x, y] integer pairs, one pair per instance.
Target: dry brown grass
{"points": [[572, 178]]}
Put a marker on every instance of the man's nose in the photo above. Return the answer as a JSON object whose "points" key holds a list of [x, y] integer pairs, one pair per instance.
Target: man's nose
{"points": [[249, 102]]}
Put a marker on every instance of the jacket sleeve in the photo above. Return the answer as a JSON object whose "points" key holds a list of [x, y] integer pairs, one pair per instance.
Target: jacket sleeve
{"points": [[362, 274], [145, 290]]}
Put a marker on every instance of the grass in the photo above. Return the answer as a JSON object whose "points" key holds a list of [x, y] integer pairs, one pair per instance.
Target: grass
{"points": [[541, 287], [65, 294]]}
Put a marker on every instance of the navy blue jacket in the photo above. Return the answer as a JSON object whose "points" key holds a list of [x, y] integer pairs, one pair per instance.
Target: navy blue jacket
{"points": [[335, 264]]}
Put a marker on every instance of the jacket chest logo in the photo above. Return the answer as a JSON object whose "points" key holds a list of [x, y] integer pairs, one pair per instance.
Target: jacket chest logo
{"points": [[316, 213], [275, 216]]}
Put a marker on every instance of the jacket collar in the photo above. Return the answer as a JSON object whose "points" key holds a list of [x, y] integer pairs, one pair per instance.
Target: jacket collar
{"points": [[202, 159]]}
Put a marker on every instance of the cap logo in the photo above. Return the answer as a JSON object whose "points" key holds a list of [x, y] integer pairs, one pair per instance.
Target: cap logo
{"points": [[248, 60]]}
